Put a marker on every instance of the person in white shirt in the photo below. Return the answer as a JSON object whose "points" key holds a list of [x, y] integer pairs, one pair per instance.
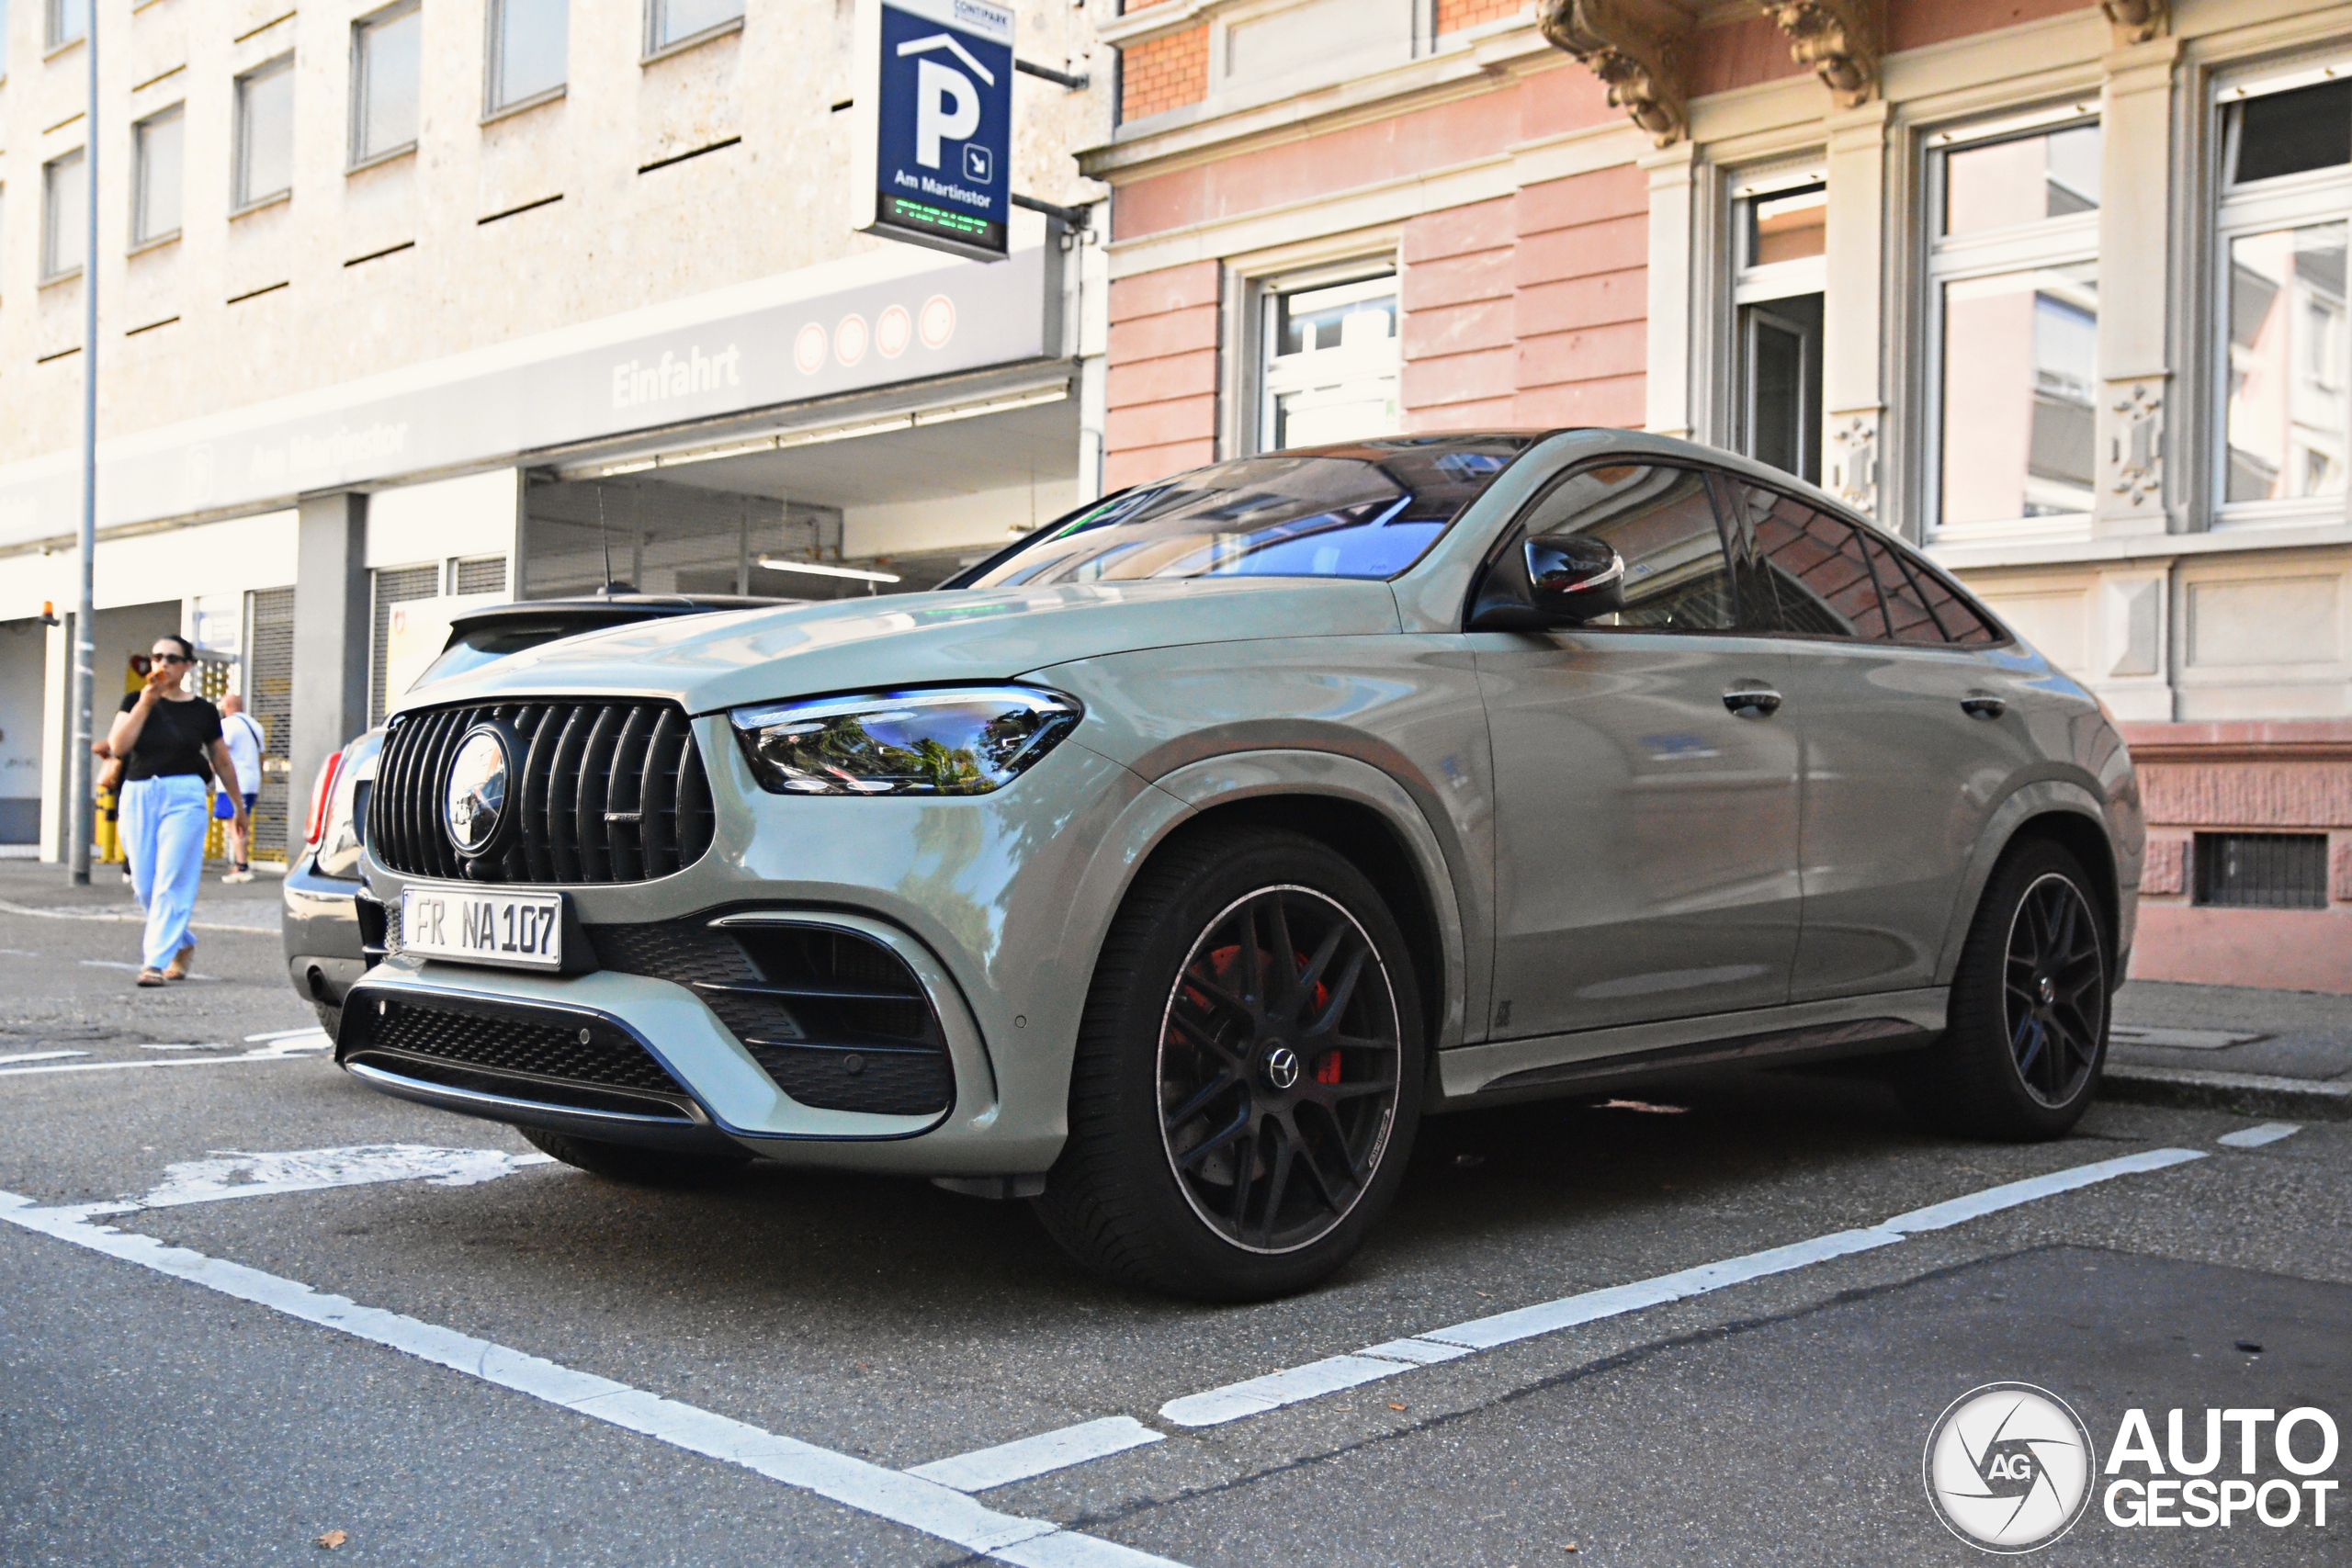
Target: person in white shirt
{"points": [[246, 738]]}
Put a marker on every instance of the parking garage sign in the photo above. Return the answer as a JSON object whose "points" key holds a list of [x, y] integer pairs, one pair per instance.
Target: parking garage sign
{"points": [[934, 100]]}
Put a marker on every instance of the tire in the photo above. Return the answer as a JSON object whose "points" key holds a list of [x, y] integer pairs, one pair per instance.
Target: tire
{"points": [[330, 1017], [636, 1167], [1186, 1056], [2021, 1061]]}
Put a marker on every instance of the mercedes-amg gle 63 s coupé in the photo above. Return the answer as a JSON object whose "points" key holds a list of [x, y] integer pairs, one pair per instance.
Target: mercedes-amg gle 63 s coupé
{"points": [[1168, 866]]}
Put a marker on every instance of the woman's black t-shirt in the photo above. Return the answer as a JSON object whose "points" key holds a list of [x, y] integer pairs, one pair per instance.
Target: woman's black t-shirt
{"points": [[172, 740]]}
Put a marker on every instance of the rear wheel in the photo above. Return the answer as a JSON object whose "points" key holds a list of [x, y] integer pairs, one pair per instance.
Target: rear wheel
{"points": [[2027, 1035], [1247, 1077], [637, 1167]]}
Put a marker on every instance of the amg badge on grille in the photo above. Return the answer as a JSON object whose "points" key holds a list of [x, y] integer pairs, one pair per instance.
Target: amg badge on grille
{"points": [[474, 804]]}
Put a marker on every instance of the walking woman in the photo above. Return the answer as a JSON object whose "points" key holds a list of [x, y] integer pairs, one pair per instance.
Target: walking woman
{"points": [[169, 741]]}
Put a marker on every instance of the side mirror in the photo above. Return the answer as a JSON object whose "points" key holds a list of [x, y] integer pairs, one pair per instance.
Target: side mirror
{"points": [[1575, 578]]}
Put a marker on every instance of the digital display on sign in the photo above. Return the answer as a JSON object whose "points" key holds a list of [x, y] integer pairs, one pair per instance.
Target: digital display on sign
{"points": [[934, 123]]}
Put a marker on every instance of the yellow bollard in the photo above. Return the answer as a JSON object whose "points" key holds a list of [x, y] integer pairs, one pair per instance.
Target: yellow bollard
{"points": [[110, 828]]}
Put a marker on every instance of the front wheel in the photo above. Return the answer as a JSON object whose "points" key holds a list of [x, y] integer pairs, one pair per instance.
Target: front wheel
{"points": [[2027, 1035], [1247, 1077]]}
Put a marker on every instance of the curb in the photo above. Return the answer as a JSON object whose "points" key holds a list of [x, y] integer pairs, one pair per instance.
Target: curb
{"points": [[2258, 1094]]}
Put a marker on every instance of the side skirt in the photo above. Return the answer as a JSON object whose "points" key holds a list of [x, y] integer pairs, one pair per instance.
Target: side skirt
{"points": [[1554, 1065]]}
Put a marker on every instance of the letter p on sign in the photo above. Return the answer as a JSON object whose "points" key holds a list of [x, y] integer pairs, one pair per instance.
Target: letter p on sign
{"points": [[947, 108]]}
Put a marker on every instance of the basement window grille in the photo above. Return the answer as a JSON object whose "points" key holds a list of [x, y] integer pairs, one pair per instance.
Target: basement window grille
{"points": [[2262, 871]]}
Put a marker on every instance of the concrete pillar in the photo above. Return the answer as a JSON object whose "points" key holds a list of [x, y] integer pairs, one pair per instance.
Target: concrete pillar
{"points": [[331, 643], [1853, 339], [1666, 388], [2135, 211]]}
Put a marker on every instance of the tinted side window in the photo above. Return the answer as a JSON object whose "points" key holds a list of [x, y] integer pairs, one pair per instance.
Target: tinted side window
{"points": [[1826, 577], [1816, 567], [1661, 521]]}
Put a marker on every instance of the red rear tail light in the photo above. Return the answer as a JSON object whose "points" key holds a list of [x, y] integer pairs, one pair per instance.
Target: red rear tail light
{"points": [[321, 794]]}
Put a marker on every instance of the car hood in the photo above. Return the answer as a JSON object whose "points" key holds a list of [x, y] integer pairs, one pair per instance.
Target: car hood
{"points": [[709, 663]]}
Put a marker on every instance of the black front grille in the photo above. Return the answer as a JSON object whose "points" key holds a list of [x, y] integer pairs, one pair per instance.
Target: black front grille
{"points": [[589, 1063], [608, 792], [835, 1018]]}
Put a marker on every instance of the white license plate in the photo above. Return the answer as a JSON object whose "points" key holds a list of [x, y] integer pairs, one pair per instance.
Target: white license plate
{"points": [[525, 929]]}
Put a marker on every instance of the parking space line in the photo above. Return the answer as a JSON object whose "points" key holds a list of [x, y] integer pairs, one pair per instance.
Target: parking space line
{"points": [[284, 1051], [1007, 1463], [39, 1055], [918, 1504], [1255, 1396], [2254, 1137]]}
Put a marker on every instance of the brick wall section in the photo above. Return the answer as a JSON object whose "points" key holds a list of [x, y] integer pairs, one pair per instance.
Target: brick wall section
{"points": [[1164, 73], [1453, 16], [1163, 385]]}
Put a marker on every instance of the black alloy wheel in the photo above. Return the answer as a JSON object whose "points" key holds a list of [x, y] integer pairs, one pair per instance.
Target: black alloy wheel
{"points": [[2026, 1033], [1278, 1069], [1247, 1075], [2055, 990]]}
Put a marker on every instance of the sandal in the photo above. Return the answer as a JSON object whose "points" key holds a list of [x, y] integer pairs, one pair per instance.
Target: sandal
{"points": [[180, 962], [150, 977]]}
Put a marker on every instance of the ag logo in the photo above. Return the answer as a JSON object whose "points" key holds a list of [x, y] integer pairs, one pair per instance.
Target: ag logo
{"points": [[2008, 1467]]}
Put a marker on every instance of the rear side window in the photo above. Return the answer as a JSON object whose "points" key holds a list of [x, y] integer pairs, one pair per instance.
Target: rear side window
{"points": [[1821, 576], [1661, 522]]}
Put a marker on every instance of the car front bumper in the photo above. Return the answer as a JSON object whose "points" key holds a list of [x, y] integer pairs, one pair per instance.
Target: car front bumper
{"points": [[995, 903]]}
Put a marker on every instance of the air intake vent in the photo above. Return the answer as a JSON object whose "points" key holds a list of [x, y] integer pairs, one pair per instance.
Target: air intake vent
{"points": [[610, 791]]}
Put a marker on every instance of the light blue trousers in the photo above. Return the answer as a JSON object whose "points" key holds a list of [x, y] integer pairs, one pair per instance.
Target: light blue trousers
{"points": [[163, 822]]}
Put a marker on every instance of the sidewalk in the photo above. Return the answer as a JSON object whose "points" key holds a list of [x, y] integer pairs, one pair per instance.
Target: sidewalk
{"points": [[2234, 1048], [33, 887]]}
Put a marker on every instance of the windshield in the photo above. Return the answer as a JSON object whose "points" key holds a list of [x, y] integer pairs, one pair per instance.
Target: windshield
{"points": [[1368, 510], [474, 647]]}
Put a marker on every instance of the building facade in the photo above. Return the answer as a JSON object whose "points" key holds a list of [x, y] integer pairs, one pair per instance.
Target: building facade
{"points": [[2055, 288], [408, 307]]}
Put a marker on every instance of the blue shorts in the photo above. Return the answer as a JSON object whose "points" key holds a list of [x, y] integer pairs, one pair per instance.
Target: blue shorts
{"points": [[223, 811]]}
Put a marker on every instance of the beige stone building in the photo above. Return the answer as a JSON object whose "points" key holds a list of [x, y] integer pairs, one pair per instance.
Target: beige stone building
{"points": [[405, 305]]}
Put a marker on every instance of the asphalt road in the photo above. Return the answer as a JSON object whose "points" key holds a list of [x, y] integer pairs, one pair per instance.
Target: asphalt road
{"points": [[204, 1405]]}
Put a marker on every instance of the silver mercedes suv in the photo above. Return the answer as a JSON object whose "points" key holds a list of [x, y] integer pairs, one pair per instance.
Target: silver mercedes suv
{"points": [[1166, 868]]}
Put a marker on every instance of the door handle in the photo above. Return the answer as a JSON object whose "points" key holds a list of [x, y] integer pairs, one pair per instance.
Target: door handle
{"points": [[1752, 701], [1983, 705]]}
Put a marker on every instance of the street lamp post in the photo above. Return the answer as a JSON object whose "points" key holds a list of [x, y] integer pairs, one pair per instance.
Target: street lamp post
{"points": [[82, 814]]}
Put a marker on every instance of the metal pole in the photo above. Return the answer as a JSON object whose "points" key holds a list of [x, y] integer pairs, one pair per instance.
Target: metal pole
{"points": [[82, 819]]}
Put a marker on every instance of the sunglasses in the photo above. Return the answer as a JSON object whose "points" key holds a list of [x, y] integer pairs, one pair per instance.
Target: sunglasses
{"points": [[170, 658]]}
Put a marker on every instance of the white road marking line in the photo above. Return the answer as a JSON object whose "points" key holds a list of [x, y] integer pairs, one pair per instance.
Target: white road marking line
{"points": [[1939, 1216], [285, 1034], [18, 952], [909, 1500], [234, 1173], [191, 1045], [1255, 1396], [2254, 1137], [131, 920], [284, 1051], [1008, 1462], [40, 1056]]}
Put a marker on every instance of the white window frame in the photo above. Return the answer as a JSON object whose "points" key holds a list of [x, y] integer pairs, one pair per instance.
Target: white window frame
{"points": [[2316, 195], [143, 169], [241, 197], [657, 48], [1266, 295], [49, 271], [1747, 283], [493, 57], [2070, 241], [360, 156], [53, 34]]}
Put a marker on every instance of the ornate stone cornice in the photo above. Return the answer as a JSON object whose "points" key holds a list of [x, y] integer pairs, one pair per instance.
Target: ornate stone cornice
{"points": [[1840, 39], [1637, 50], [2137, 21]]}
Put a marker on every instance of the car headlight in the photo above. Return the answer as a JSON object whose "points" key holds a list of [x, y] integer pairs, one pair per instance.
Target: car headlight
{"points": [[945, 741]]}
